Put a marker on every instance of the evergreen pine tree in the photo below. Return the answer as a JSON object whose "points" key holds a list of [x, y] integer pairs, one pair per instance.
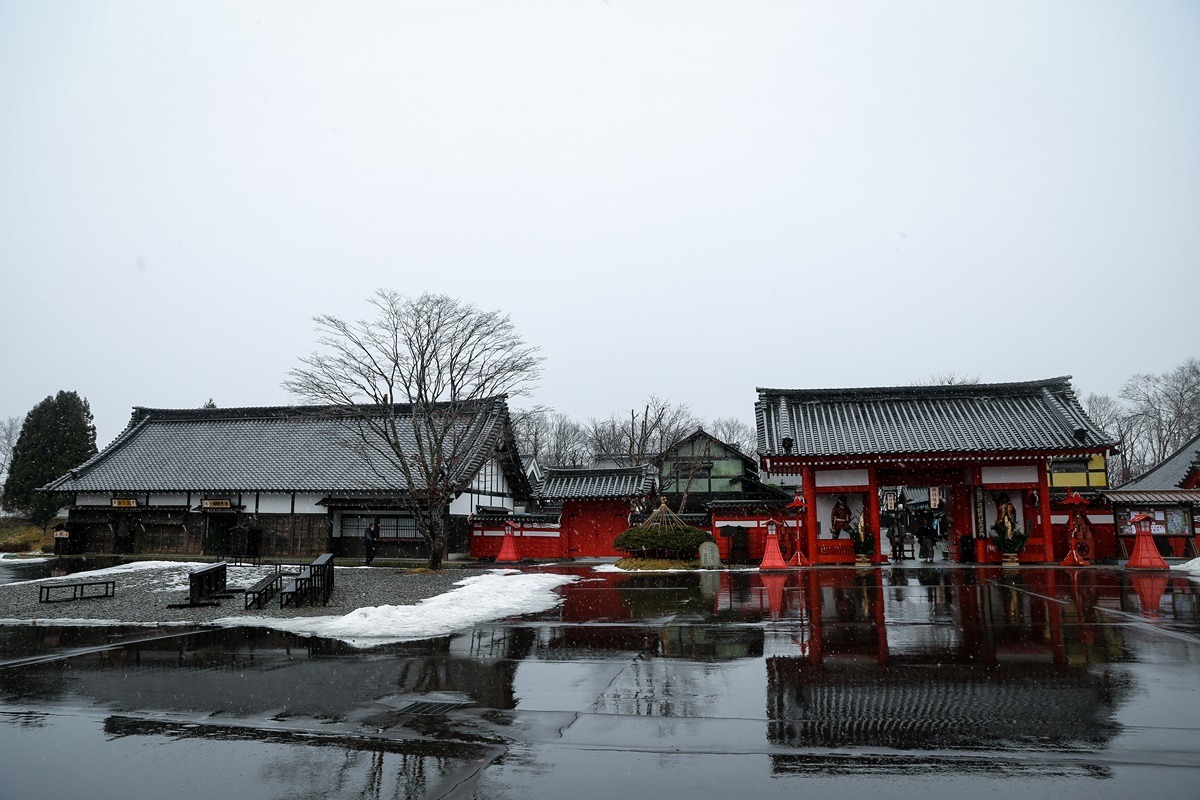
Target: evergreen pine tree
{"points": [[57, 435]]}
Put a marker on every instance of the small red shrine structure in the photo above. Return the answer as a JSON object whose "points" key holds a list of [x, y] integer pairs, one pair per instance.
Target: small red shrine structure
{"points": [[584, 512], [983, 452]]}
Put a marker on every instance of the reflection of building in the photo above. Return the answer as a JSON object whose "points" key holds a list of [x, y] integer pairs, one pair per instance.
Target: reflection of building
{"points": [[1169, 492], [288, 481], [982, 446], [959, 706]]}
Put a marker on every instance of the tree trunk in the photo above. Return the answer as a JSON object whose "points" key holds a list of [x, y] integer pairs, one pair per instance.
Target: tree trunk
{"points": [[436, 541]]}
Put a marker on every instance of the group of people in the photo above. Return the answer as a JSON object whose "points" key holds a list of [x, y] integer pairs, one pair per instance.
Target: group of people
{"points": [[923, 528]]}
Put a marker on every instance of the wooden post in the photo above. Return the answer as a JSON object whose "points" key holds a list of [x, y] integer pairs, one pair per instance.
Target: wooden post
{"points": [[1044, 511], [809, 487]]}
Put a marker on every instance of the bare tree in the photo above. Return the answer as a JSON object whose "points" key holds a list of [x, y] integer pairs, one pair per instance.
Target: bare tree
{"points": [[1153, 417], [439, 357], [638, 437], [1110, 415], [1166, 408], [736, 432], [949, 378], [10, 429], [553, 438]]}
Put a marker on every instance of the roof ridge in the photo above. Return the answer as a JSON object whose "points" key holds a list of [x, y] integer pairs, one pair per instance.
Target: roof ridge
{"points": [[925, 390]]}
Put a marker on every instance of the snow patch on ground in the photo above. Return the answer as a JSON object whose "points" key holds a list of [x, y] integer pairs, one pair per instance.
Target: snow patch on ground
{"points": [[481, 598], [1192, 566]]}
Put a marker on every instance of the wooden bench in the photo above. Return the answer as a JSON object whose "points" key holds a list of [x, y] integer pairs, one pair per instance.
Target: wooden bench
{"points": [[315, 582], [264, 589], [205, 585], [79, 590]]}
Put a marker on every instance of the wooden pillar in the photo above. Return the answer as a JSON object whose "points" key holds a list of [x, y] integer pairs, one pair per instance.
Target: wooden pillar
{"points": [[871, 512], [1044, 511], [809, 487]]}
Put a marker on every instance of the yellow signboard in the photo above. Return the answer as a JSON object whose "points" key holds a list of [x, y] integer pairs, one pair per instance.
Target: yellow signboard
{"points": [[123, 502], [215, 504]]}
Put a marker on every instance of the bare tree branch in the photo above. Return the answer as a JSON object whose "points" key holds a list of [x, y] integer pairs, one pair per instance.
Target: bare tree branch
{"points": [[413, 378]]}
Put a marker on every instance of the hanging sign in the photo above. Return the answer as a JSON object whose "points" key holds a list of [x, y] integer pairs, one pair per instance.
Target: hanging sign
{"points": [[889, 500], [935, 497], [123, 502], [215, 504]]}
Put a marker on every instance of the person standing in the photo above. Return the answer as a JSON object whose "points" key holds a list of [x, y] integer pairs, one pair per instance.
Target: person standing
{"points": [[839, 518], [369, 537], [927, 537]]}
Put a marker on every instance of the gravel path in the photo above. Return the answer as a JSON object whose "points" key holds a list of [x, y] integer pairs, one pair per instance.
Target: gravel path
{"points": [[144, 596]]}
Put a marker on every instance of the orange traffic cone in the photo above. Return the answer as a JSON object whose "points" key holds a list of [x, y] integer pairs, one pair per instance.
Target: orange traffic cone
{"points": [[508, 550], [772, 557]]}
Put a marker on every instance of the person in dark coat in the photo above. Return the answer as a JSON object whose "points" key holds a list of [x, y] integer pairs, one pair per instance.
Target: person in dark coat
{"points": [[839, 518], [370, 535], [927, 536]]}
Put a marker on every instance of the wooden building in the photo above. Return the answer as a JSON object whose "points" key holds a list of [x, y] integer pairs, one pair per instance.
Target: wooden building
{"points": [[1170, 493], [275, 482], [980, 450], [580, 511]]}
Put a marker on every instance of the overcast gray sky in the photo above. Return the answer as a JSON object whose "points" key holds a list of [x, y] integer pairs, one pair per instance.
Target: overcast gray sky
{"points": [[691, 199]]}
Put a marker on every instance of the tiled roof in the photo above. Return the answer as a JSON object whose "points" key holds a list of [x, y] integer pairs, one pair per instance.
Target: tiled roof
{"points": [[1150, 498], [560, 483], [284, 449], [999, 417], [1169, 473]]}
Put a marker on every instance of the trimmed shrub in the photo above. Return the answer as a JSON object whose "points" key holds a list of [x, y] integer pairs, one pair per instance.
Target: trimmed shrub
{"points": [[675, 542]]}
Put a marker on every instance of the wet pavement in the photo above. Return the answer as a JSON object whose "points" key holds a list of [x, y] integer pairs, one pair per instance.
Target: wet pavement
{"points": [[932, 681]]}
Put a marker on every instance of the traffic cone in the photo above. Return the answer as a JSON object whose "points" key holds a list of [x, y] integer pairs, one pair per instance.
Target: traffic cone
{"points": [[772, 557], [508, 550]]}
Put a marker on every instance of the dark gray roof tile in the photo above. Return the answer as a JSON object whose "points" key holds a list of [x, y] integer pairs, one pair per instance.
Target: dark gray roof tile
{"points": [[272, 449], [1034, 415]]}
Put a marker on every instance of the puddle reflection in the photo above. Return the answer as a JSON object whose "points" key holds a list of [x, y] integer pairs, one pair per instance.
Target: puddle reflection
{"points": [[937, 663]]}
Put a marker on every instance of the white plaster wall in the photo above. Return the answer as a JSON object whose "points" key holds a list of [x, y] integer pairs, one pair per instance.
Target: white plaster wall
{"points": [[306, 504], [271, 502], [1018, 474], [168, 499], [840, 477], [93, 499], [491, 479], [465, 504]]}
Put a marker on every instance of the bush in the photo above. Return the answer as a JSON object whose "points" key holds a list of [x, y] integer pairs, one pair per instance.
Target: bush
{"points": [[675, 542], [18, 535]]}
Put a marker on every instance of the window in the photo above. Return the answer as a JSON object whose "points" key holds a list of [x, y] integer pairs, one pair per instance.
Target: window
{"points": [[390, 527]]}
